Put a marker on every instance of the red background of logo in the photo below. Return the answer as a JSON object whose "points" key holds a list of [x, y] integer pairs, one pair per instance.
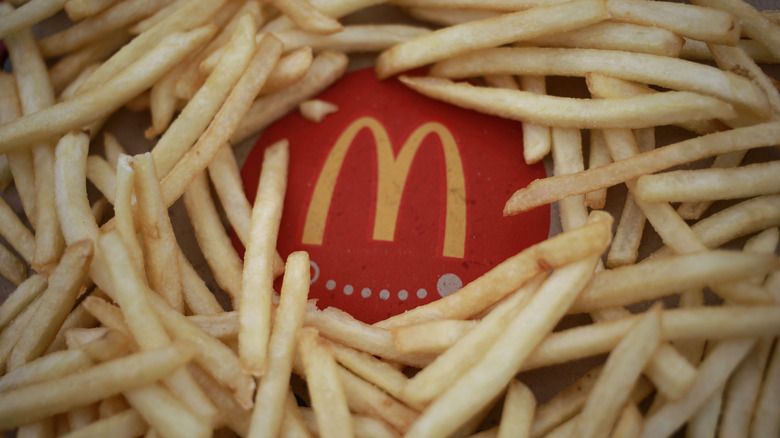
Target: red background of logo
{"points": [[493, 166]]}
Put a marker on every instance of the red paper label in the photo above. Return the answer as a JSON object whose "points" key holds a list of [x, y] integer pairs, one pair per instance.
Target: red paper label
{"points": [[398, 198]]}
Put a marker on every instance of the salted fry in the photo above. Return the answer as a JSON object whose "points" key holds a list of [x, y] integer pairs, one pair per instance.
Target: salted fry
{"points": [[507, 353], [32, 12], [325, 69], [550, 189], [491, 32], [518, 411], [622, 369], [754, 25], [90, 29], [638, 67], [25, 405], [257, 279], [55, 303], [290, 69], [634, 112], [710, 184], [355, 38], [80, 9], [155, 226], [510, 275], [326, 391], [432, 336], [127, 423], [273, 388], [98, 102], [307, 17]]}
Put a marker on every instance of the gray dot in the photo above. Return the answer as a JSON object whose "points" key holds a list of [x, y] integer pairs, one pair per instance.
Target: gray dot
{"points": [[366, 292], [448, 284], [384, 294], [422, 293], [348, 289], [330, 284], [403, 294]]}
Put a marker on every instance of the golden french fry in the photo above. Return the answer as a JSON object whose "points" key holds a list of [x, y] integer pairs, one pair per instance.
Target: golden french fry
{"points": [[307, 17], [764, 422], [214, 242], [27, 15], [622, 369], [639, 67], [549, 189], [24, 294], [80, 9], [12, 268], [711, 184], [491, 32], [629, 423], [316, 110], [634, 112], [55, 303], [354, 38], [448, 17], [257, 279], [290, 69], [511, 274], [714, 371], [127, 423], [613, 35], [325, 389], [162, 251], [92, 28], [518, 411], [98, 102], [507, 353], [325, 69], [25, 405], [432, 336], [696, 22], [273, 388], [103, 176], [754, 25]]}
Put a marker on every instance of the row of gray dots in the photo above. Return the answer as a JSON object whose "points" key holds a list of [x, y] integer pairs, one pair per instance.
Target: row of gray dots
{"points": [[366, 292]]}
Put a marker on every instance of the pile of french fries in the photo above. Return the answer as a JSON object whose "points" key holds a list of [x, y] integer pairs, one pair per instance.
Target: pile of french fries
{"points": [[109, 330]]}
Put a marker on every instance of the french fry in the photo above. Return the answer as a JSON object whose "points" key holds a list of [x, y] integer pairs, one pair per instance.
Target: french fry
{"points": [[146, 328], [155, 226], [649, 162], [699, 23], [432, 336], [257, 278], [55, 303], [166, 413], [80, 9], [325, 389], [677, 324], [307, 17], [14, 330], [612, 35], [273, 388], [710, 184], [325, 69], [25, 405], [507, 352], [518, 411], [290, 69], [62, 363], [25, 293], [12, 268], [631, 66], [491, 32], [510, 275], [128, 423], [364, 426], [90, 29], [715, 369], [634, 112], [342, 327], [754, 25], [621, 370], [27, 15], [316, 110], [89, 106], [354, 38], [764, 423], [215, 244], [742, 391], [629, 423]]}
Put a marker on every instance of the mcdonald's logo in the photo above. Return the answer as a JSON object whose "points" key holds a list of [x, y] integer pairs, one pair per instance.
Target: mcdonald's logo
{"points": [[397, 198], [392, 174]]}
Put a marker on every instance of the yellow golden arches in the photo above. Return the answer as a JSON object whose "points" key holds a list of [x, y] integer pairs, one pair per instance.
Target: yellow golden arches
{"points": [[392, 175]]}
